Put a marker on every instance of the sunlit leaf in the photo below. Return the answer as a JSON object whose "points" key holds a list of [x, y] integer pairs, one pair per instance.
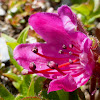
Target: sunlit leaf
{"points": [[19, 97], [8, 38], [16, 85], [23, 35], [12, 45], [82, 8]]}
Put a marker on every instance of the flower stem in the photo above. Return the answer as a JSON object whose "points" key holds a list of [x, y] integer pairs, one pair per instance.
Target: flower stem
{"points": [[92, 87]]}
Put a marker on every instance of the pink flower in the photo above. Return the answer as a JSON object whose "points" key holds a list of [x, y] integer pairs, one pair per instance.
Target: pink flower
{"points": [[66, 57]]}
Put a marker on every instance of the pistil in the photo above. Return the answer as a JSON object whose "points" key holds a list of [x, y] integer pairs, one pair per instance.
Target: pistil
{"points": [[59, 66]]}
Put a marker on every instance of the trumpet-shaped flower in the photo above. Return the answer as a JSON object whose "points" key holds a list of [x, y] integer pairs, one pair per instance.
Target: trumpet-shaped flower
{"points": [[66, 57]]}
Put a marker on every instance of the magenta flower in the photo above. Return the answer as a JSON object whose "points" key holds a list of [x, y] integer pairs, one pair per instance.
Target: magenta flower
{"points": [[66, 57]]}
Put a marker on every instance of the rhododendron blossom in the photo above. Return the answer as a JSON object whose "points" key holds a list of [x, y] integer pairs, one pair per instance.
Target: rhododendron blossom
{"points": [[66, 56]]}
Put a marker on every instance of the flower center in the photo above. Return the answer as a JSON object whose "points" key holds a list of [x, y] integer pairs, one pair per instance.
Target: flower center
{"points": [[54, 66]]}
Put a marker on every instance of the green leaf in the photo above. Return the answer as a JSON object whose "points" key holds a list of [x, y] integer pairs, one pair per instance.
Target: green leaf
{"points": [[17, 85], [43, 92], [12, 76], [31, 98], [38, 84], [24, 87], [77, 1], [10, 51], [12, 45], [8, 38], [23, 35], [5, 94], [51, 96], [73, 95], [85, 9], [63, 94], [30, 91], [19, 97]]}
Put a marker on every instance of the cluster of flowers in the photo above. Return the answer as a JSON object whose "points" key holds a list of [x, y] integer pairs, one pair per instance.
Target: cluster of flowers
{"points": [[66, 56]]}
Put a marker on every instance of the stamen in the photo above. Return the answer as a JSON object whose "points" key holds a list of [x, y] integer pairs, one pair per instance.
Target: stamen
{"points": [[64, 46], [46, 72], [60, 51], [65, 64], [35, 50], [24, 72], [32, 66], [70, 53], [70, 48], [62, 65], [47, 57], [54, 65], [70, 61], [71, 45]]}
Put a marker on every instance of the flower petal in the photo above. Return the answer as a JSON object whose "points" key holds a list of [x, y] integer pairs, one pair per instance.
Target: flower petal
{"points": [[24, 56], [87, 57], [86, 45], [49, 26], [82, 78], [66, 83], [68, 18]]}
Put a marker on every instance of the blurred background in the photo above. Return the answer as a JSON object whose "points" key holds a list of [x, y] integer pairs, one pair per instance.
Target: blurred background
{"points": [[14, 16]]}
